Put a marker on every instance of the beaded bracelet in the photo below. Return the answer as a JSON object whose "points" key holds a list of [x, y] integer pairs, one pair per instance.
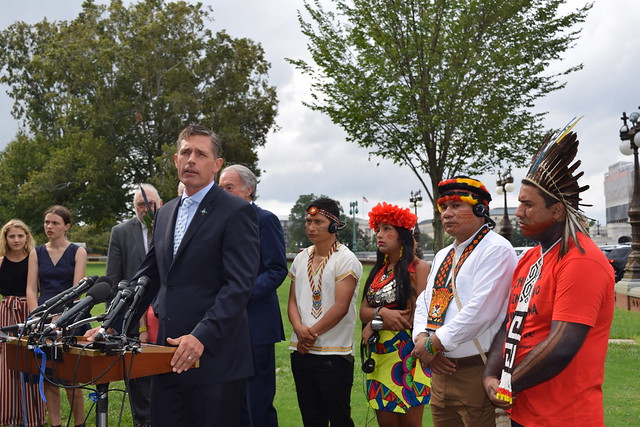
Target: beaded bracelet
{"points": [[428, 344]]}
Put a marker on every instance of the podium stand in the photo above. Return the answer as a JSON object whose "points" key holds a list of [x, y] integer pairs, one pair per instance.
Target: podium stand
{"points": [[76, 364]]}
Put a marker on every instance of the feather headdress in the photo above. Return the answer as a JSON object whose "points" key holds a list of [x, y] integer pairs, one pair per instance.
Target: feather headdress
{"points": [[552, 172]]}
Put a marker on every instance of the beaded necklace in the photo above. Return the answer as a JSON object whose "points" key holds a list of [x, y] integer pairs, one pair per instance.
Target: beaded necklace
{"points": [[316, 285]]}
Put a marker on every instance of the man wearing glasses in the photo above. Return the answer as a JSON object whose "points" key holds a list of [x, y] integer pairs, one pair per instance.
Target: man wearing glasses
{"points": [[128, 245]]}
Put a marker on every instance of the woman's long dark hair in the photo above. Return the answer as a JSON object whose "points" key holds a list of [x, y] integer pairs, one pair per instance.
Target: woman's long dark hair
{"points": [[401, 269]]}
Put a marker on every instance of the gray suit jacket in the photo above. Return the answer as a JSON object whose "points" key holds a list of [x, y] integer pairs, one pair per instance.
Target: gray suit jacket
{"points": [[126, 251]]}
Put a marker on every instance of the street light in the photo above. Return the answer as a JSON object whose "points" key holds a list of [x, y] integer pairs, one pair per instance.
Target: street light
{"points": [[505, 185], [353, 210], [630, 141], [416, 201]]}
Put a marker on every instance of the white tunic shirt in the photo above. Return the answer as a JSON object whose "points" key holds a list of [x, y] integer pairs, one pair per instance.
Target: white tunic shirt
{"points": [[342, 263]]}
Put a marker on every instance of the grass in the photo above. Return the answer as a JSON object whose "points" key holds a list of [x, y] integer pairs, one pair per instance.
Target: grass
{"points": [[621, 388]]}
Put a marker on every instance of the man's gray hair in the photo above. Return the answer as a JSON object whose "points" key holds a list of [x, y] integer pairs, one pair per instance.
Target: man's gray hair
{"points": [[247, 177], [149, 190]]}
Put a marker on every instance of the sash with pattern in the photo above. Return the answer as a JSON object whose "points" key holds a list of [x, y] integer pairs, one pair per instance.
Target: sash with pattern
{"points": [[442, 285], [514, 333]]}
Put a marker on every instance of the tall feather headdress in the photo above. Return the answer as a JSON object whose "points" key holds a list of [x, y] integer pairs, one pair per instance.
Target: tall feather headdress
{"points": [[552, 172]]}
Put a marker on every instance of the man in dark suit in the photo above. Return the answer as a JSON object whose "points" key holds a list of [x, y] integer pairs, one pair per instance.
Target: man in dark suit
{"points": [[127, 248], [265, 321], [202, 265]]}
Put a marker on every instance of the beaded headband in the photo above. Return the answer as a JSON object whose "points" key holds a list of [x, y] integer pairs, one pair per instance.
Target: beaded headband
{"points": [[314, 210]]}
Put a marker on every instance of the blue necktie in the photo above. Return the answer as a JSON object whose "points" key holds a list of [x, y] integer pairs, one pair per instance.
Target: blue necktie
{"points": [[181, 223]]}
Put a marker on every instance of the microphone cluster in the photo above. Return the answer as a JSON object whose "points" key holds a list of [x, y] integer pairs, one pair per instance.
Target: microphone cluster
{"points": [[76, 313]]}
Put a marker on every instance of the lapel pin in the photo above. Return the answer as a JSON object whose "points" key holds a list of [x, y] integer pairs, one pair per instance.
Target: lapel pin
{"points": [[203, 212]]}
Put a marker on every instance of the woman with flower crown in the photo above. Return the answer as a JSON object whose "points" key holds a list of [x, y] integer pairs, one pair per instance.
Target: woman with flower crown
{"points": [[397, 385]]}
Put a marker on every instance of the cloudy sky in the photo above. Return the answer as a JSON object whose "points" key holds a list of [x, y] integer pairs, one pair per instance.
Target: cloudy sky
{"points": [[309, 154]]}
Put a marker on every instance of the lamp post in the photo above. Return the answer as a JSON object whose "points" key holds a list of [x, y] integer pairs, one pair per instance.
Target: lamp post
{"points": [[505, 185], [630, 137], [416, 201], [353, 210]]}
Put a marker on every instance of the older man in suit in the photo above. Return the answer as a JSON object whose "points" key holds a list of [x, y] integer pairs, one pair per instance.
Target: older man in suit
{"points": [[128, 246], [265, 321], [202, 265]]}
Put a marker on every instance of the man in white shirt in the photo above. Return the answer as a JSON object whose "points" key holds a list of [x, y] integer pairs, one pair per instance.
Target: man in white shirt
{"points": [[463, 305], [322, 310]]}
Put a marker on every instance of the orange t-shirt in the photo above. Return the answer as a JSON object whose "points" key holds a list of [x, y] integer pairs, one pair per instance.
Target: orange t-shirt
{"points": [[578, 288]]}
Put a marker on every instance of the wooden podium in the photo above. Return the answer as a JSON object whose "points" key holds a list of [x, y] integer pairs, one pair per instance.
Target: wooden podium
{"points": [[80, 365]]}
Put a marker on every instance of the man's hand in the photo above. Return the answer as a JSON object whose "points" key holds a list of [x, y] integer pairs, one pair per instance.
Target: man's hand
{"points": [[441, 365], [189, 351], [90, 335], [421, 352], [491, 385]]}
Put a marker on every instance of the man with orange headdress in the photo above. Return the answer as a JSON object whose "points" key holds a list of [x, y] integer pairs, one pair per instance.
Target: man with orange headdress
{"points": [[463, 305], [547, 364]]}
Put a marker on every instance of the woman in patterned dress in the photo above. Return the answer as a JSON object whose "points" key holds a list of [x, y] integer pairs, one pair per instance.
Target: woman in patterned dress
{"points": [[398, 386]]}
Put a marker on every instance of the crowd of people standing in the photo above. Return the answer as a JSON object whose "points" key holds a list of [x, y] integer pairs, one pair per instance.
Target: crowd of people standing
{"points": [[474, 333]]}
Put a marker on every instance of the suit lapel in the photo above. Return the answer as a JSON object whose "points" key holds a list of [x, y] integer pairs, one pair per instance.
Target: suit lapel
{"points": [[138, 242]]}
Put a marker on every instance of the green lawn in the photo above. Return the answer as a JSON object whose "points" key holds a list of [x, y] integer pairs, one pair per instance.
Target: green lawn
{"points": [[621, 386]]}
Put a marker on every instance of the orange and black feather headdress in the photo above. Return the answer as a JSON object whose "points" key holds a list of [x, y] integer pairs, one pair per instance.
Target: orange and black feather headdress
{"points": [[552, 172]]}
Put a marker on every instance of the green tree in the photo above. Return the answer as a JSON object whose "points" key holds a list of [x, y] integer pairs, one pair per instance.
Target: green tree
{"points": [[440, 86], [104, 96]]}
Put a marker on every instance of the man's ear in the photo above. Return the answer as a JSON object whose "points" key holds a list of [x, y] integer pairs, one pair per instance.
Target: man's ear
{"points": [[559, 211]]}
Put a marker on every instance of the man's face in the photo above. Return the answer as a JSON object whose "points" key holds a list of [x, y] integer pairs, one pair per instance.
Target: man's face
{"points": [[196, 164], [141, 207], [317, 228], [230, 181], [533, 214], [458, 219]]}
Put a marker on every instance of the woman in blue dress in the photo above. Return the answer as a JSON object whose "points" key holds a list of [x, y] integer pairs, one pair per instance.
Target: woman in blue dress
{"points": [[54, 267]]}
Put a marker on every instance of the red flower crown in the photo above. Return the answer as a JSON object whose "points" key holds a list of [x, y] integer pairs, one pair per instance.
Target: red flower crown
{"points": [[391, 214]]}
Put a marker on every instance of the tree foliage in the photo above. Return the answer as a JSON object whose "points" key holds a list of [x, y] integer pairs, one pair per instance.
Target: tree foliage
{"points": [[103, 97], [440, 86]]}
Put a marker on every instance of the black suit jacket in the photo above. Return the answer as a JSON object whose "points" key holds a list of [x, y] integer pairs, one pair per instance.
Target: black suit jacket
{"points": [[205, 288], [265, 318]]}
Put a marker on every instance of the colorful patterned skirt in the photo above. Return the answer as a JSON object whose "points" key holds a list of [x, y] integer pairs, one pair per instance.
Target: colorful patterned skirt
{"points": [[398, 382], [17, 398]]}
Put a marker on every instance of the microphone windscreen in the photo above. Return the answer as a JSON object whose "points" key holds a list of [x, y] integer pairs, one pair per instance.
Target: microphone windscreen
{"points": [[100, 292]]}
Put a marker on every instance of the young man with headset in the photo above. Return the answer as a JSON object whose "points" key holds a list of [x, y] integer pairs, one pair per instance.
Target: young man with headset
{"points": [[322, 310], [463, 305]]}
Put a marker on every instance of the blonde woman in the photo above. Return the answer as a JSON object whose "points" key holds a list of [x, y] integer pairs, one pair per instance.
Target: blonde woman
{"points": [[18, 397], [54, 267]]}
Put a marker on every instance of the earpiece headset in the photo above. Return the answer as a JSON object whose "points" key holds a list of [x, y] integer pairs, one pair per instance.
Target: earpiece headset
{"points": [[481, 210]]}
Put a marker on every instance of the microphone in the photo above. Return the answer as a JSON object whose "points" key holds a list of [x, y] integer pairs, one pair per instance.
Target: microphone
{"points": [[66, 295], [138, 293], [97, 294], [20, 326], [87, 310], [123, 297]]}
